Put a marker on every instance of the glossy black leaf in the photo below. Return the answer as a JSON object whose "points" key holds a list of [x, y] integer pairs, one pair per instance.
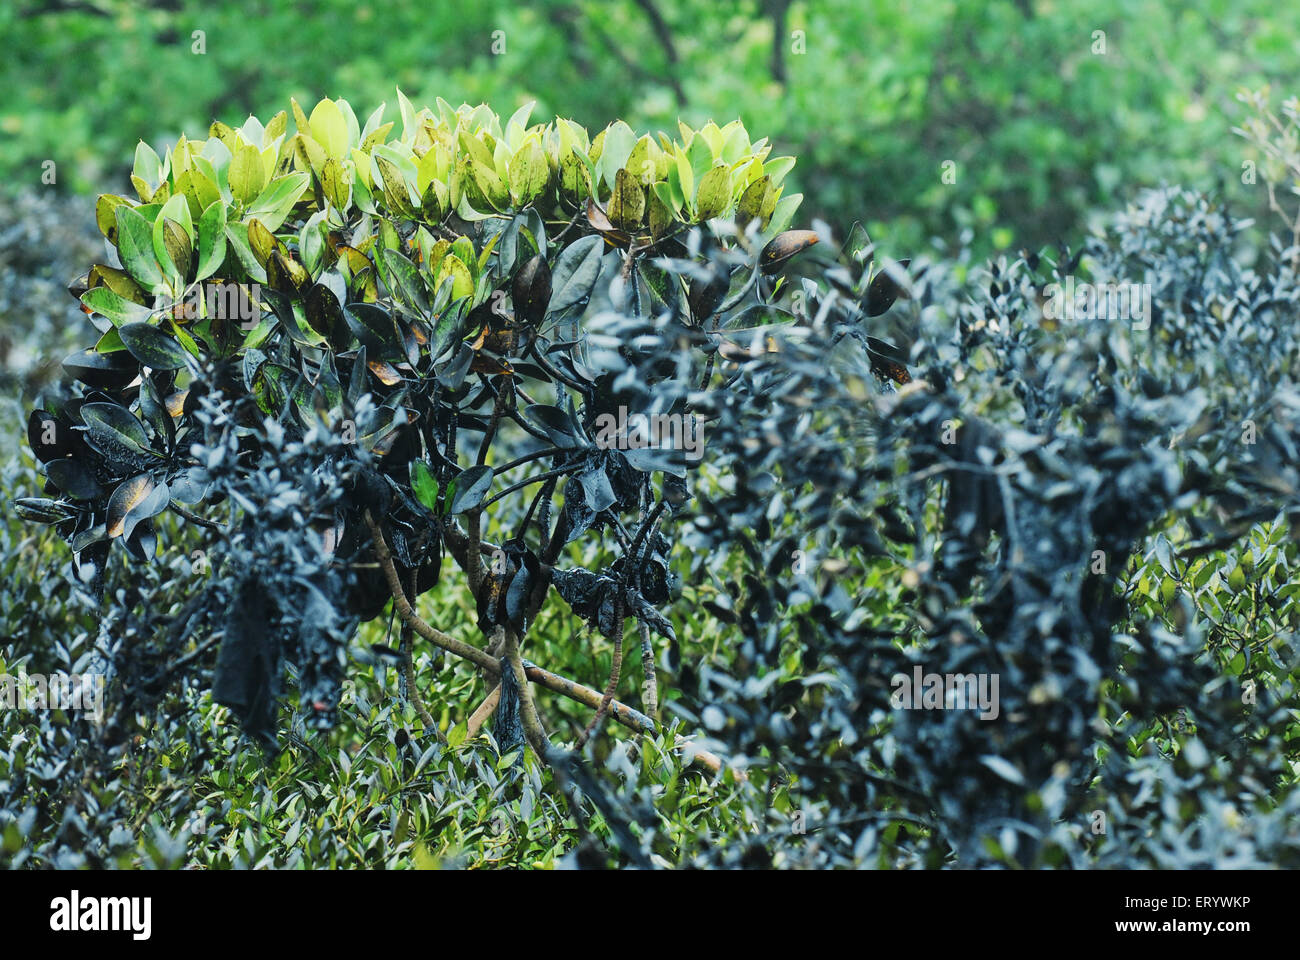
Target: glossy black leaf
{"points": [[531, 291], [74, 478], [377, 330], [472, 486], [884, 289]]}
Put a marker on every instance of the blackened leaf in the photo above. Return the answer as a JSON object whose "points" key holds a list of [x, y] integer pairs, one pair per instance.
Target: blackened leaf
{"points": [[49, 437], [575, 273], [84, 538], [472, 485], [141, 542], [155, 412], [453, 374], [558, 425], [248, 666], [114, 418], [377, 329], [651, 617], [516, 598], [105, 371], [325, 316], [40, 509], [74, 478], [650, 459], [578, 516], [705, 295], [784, 246], [185, 488], [152, 347], [596, 488], [357, 381], [884, 289], [531, 291], [887, 362], [89, 564]]}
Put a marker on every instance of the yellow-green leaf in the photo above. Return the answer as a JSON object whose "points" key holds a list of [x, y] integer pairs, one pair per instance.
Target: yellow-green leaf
{"points": [[462, 284], [714, 196], [247, 176], [329, 128]]}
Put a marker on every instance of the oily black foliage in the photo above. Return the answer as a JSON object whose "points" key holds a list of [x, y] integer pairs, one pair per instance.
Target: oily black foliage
{"points": [[1049, 448]]}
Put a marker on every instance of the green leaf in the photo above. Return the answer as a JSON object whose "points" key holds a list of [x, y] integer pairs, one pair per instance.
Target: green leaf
{"points": [[424, 485], [457, 734], [147, 166], [135, 245], [462, 283], [529, 172], [274, 204], [199, 191], [212, 240], [329, 128], [627, 202], [247, 176], [172, 244], [237, 234], [713, 198], [617, 145], [783, 213], [117, 308]]}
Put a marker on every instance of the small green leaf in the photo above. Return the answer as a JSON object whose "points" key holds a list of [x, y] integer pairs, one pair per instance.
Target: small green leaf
{"points": [[423, 484], [457, 734]]}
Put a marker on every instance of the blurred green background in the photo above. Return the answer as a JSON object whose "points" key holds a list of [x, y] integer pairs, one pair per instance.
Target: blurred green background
{"points": [[873, 96]]}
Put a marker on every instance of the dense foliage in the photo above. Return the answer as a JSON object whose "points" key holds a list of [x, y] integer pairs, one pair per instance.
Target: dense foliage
{"points": [[907, 464]]}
